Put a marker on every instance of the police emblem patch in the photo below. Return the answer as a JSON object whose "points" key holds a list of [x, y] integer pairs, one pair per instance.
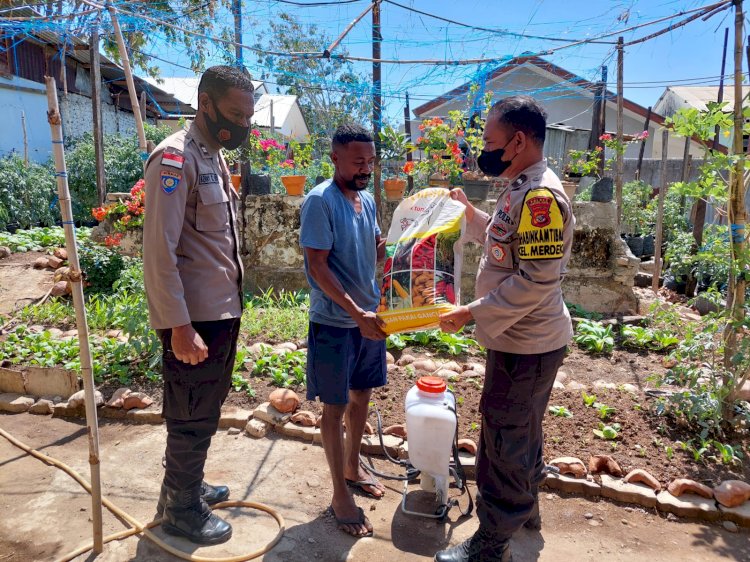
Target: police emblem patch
{"points": [[539, 207], [498, 252], [170, 181]]}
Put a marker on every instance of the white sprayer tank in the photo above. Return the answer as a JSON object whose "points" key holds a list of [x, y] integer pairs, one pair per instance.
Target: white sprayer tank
{"points": [[431, 429]]}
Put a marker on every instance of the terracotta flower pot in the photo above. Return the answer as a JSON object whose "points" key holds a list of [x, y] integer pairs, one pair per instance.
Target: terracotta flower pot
{"points": [[295, 185], [394, 189], [438, 180]]}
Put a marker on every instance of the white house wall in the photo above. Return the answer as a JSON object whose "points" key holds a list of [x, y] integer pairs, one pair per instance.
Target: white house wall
{"points": [[564, 103], [18, 95]]}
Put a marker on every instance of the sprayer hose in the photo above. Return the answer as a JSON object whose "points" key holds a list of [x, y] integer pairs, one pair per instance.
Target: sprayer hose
{"points": [[137, 527]]}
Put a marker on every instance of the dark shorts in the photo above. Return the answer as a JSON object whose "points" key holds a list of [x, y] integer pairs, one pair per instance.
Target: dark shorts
{"points": [[340, 359]]}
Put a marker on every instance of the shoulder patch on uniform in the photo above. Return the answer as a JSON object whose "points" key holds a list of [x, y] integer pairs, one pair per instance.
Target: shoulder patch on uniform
{"points": [[172, 157], [540, 232], [170, 181]]}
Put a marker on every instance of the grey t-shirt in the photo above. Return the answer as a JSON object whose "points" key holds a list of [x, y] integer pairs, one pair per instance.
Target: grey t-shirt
{"points": [[329, 222]]}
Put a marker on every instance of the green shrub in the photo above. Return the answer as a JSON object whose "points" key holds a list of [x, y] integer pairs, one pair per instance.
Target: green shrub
{"points": [[27, 193], [123, 167], [101, 266]]}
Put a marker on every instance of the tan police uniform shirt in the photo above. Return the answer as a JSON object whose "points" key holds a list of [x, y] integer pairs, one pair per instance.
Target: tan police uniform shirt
{"points": [[527, 243], [191, 262]]}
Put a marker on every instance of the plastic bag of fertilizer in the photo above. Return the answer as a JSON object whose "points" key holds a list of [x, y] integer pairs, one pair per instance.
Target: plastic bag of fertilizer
{"points": [[422, 272]]}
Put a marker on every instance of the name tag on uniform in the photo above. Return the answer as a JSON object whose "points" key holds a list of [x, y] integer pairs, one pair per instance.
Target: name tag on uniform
{"points": [[204, 179]]}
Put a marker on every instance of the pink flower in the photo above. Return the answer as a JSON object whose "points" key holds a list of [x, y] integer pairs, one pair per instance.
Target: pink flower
{"points": [[605, 137], [255, 133]]}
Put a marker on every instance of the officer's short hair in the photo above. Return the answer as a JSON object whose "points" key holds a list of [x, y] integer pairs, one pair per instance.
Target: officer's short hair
{"points": [[217, 80], [351, 132], [522, 113]]}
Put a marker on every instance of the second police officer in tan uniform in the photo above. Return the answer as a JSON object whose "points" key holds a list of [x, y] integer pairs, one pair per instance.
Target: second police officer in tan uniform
{"points": [[520, 318], [193, 278]]}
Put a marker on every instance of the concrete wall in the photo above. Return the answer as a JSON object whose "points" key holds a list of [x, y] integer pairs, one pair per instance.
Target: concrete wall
{"points": [[601, 269]]}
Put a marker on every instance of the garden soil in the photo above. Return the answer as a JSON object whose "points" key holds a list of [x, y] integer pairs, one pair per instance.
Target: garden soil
{"points": [[20, 283], [45, 514], [645, 441]]}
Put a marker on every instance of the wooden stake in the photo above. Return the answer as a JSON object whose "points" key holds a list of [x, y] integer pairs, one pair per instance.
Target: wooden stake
{"points": [[660, 211], [131, 84], [377, 98], [96, 112], [25, 140], [407, 130], [643, 146], [620, 160], [76, 280]]}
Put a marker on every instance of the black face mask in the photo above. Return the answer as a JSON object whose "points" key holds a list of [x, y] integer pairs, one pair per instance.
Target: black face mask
{"points": [[352, 184], [491, 163], [227, 133]]}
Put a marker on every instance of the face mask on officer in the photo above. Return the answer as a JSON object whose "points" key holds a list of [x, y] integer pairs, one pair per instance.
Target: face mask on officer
{"points": [[491, 162], [226, 132]]}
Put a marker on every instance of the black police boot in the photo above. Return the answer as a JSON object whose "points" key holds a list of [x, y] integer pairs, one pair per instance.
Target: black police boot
{"points": [[210, 494], [481, 547], [187, 515], [534, 522]]}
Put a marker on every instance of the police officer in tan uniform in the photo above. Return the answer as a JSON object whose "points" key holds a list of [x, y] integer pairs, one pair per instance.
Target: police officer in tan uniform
{"points": [[520, 318], [193, 278]]}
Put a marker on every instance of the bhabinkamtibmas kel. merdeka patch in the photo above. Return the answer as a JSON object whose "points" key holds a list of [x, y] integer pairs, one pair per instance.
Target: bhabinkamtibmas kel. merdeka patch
{"points": [[422, 272], [540, 231]]}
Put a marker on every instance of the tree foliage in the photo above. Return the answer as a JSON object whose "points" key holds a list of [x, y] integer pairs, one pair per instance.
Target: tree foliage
{"points": [[330, 92]]}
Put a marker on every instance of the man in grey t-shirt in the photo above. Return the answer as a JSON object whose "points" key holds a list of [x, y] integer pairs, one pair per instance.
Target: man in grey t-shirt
{"points": [[346, 343]]}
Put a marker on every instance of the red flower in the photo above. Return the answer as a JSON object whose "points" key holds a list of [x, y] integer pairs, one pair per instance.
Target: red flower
{"points": [[99, 213], [409, 167], [605, 137], [459, 133], [113, 239], [421, 127], [255, 133], [420, 140]]}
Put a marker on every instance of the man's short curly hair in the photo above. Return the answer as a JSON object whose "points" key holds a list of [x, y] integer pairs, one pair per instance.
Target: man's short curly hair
{"points": [[522, 113], [217, 80], [351, 132]]}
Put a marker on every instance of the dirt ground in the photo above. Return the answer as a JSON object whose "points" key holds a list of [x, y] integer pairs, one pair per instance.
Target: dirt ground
{"points": [[45, 514], [20, 283]]}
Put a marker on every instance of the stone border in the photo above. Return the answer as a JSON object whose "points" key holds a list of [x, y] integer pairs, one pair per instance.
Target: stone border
{"points": [[256, 423]]}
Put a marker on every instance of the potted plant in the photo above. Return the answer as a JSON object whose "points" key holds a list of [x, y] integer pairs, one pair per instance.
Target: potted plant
{"points": [[439, 145], [582, 170], [298, 159], [394, 148]]}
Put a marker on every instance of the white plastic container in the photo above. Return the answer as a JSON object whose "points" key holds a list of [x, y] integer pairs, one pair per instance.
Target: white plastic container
{"points": [[430, 426]]}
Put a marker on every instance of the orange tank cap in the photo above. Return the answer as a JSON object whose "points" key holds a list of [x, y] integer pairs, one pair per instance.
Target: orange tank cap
{"points": [[435, 385]]}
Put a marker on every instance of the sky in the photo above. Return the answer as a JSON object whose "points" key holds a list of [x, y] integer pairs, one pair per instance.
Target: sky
{"points": [[691, 53]]}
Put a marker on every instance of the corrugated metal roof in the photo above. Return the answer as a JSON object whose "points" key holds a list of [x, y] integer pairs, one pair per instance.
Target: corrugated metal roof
{"points": [[164, 102]]}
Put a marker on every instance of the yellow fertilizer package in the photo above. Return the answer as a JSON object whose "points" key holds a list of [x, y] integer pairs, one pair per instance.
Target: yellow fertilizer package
{"points": [[422, 271]]}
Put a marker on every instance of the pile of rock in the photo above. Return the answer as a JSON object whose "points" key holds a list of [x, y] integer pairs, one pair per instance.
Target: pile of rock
{"points": [[57, 262]]}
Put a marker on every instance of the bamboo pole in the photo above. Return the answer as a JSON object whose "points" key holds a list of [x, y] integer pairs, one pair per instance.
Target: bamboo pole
{"points": [[660, 211], [377, 100], [620, 156], [75, 278], [355, 21], [737, 218], [131, 84]]}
